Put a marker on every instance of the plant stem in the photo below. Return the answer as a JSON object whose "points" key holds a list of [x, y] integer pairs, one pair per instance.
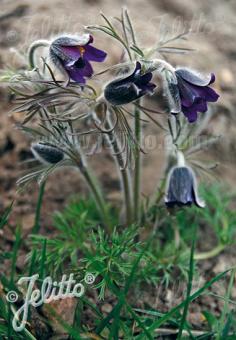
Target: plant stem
{"points": [[137, 170], [36, 44], [127, 195], [189, 287], [36, 226], [176, 235], [90, 180], [124, 172], [220, 333]]}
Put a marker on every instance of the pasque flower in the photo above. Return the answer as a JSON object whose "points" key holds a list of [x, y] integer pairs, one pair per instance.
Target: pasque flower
{"points": [[127, 89], [182, 188], [194, 92], [73, 54], [47, 154]]}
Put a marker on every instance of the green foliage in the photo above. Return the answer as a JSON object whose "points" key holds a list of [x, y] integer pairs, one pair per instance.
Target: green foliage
{"points": [[128, 258], [111, 257], [73, 228]]}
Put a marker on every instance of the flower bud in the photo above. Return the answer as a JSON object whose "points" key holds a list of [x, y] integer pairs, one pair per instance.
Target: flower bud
{"points": [[47, 154], [125, 90]]}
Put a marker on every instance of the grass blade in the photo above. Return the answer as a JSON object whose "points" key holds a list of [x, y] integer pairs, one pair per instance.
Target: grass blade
{"points": [[189, 287], [192, 297]]}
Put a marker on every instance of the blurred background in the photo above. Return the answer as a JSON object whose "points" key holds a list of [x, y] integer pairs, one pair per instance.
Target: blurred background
{"points": [[213, 28]]}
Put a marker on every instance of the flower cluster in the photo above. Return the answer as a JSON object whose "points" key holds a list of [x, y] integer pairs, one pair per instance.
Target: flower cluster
{"points": [[60, 103]]}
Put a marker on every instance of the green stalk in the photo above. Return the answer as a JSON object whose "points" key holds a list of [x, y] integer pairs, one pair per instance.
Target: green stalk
{"points": [[189, 286], [125, 182], [127, 195], [36, 226], [124, 173], [93, 186], [137, 170], [226, 309]]}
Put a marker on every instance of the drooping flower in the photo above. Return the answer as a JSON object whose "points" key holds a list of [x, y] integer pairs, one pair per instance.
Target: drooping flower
{"points": [[194, 92], [182, 188], [73, 54], [47, 154], [125, 90]]}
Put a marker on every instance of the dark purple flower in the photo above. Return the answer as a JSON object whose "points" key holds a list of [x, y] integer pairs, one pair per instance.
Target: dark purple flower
{"points": [[47, 154], [73, 54], [125, 90], [182, 188], [194, 92]]}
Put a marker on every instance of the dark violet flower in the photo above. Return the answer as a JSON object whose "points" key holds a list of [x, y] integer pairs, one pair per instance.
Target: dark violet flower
{"points": [[182, 188], [47, 154], [194, 92], [125, 90], [73, 54]]}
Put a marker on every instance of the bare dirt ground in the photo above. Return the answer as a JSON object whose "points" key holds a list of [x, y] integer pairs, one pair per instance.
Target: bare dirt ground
{"points": [[214, 26]]}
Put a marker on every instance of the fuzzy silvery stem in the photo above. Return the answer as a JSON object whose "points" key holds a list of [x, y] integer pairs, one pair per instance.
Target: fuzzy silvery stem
{"points": [[94, 188], [137, 170], [38, 208], [33, 47], [124, 172], [114, 142], [158, 65], [180, 159]]}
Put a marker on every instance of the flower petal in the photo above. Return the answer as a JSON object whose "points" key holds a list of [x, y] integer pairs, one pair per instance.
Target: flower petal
{"points": [[207, 93], [94, 54], [180, 187], [87, 70], [190, 114], [188, 92], [71, 52], [70, 40], [194, 77], [199, 105], [78, 73]]}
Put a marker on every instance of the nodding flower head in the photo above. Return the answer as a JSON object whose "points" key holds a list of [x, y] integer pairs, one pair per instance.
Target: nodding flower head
{"points": [[125, 90], [47, 154], [194, 92], [73, 55], [182, 188]]}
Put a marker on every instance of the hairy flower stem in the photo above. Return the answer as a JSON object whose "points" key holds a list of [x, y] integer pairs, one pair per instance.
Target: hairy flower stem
{"points": [[33, 47], [137, 170], [36, 226], [123, 170], [95, 190]]}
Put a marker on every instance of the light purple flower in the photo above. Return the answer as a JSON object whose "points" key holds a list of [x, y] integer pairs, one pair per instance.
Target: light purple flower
{"points": [[73, 54]]}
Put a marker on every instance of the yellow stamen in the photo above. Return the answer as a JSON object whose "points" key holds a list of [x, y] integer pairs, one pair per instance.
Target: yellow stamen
{"points": [[82, 50]]}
